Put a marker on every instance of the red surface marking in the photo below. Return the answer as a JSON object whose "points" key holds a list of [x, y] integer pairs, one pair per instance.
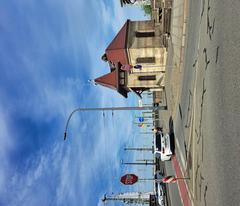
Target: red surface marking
{"points": [[181, 183]]}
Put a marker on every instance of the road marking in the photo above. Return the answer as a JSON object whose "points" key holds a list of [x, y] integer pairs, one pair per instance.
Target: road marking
{"points": [[193, 123], [180, 154]]}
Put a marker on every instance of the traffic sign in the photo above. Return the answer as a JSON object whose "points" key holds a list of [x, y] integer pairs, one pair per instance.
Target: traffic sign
{"points": [[129, 179], [141, 119], [141, 125], [138, 66]]}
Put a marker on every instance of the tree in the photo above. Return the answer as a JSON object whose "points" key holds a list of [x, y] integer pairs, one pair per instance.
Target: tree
{"points": [[147, 10]]}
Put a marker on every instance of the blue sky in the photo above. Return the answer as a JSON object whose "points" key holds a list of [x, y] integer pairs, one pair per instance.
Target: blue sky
{"points": [[48, 51]]}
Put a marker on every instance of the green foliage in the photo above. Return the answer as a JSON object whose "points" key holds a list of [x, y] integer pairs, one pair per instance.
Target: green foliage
{"points": [[147, 10]]}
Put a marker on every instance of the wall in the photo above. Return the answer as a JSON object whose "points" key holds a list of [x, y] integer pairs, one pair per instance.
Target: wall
{"points": [[146, 47], [133, 81]]}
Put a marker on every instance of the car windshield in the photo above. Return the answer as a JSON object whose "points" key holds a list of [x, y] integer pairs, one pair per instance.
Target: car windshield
{"points": [[158, 141]]}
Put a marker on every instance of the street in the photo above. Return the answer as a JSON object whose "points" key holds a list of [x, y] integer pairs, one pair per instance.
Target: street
{"points": [[204, 98]]}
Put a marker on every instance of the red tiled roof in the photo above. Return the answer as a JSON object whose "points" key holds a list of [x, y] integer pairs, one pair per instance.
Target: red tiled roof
{"points": [[109, 80], [116, 50]]}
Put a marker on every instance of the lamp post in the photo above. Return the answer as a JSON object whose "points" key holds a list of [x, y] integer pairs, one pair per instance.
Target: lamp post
{"points": [[122, 2], [141, 149], [110, 109], [138, 163]]}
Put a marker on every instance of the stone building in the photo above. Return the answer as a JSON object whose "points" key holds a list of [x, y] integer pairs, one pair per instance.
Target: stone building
{"points": [[137, 59], [160, 13]]}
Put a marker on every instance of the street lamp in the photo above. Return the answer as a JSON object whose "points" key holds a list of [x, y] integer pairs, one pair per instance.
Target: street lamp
{"points": [[127, 2], [154, 107]]}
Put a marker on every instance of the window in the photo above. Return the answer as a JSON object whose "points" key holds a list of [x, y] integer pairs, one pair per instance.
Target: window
{"points": [[145, 60], [149, 77], [122, 74], [122, 82], [122, 78], [140, 34]]}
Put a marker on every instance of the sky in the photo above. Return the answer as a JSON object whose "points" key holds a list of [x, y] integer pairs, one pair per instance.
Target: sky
{"points": [[48, 51]]}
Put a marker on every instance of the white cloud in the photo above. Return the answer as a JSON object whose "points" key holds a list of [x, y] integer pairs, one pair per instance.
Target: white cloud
{"points": [[71, 165], [63, 172], [7, 146]]}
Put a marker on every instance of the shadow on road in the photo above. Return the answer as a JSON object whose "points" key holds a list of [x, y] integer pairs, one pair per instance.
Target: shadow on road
{"points": [[171, 134]]}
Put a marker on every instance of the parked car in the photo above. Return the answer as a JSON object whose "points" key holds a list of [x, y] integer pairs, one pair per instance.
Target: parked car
{"points": [[163, 146], [160, 193]]}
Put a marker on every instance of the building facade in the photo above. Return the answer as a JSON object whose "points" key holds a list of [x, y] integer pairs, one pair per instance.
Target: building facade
{"points": [[137, 59]]}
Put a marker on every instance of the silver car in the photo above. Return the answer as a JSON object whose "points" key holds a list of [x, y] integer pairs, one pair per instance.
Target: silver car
{"points": [[160, 194]]}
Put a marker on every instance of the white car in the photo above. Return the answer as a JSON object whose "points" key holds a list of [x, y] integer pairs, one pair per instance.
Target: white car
{"points": [[163, 146], [160, 195]]}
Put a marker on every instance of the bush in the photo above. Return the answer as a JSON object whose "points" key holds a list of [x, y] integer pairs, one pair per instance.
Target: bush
{"points": [[147, 10]]}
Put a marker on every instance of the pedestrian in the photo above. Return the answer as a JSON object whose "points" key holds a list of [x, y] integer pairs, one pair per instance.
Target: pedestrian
{"points": [[157, 129]]}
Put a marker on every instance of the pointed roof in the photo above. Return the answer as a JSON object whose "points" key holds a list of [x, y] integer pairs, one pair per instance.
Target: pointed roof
{"points": [[116, 50], [109, 80]]}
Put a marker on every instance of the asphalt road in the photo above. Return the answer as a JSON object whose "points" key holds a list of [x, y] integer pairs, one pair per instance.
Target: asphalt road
{"points": [[207, 117]]}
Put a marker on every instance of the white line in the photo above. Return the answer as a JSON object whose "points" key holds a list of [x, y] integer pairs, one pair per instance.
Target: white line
{"points": [[180, 153]]}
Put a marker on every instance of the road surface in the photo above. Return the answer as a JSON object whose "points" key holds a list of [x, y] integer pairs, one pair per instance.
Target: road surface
{"points": [[205, 100]]}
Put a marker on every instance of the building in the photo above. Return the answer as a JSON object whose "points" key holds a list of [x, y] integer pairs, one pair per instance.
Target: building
{"points": [[137, 59], [160, 13]]}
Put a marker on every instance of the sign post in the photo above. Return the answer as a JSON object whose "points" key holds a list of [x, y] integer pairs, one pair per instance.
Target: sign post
{"points": [[129, 179]]}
